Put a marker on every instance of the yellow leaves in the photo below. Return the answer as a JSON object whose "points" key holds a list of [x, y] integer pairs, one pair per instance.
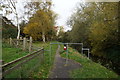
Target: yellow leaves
{"points": [[25, 30], [40, 22], [98, 31]]}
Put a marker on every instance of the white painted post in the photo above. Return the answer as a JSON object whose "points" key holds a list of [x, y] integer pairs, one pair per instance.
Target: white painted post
{"points": [[30, 44]]}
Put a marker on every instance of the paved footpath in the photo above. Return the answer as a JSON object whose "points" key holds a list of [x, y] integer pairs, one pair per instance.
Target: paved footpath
{"points": [[60, 69]]}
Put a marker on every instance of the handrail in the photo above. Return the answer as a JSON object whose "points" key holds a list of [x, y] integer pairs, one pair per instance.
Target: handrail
{"points": [[68, 43], [18, 65], [21, 58]]}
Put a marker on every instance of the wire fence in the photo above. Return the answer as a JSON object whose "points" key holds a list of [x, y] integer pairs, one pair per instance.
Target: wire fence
{"points": [[24, 67]]}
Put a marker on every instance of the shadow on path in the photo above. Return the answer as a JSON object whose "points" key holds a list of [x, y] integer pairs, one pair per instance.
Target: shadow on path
{"points": [[60, 68]]}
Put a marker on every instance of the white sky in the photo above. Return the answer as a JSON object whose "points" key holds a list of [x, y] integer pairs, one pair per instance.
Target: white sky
{"points": [[64, 8]]}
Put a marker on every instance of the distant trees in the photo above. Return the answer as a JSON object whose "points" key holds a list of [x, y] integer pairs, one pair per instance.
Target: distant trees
{"points": [[8, 29], [37, 18], [9, 7], [96, 25], [80, 22], [60, 33], [41, 24], [104, 31]]}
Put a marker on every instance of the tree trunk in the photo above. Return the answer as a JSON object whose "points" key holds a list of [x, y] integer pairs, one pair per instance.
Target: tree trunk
{"points": [[18, 32], [43, 36], [18, 26]]}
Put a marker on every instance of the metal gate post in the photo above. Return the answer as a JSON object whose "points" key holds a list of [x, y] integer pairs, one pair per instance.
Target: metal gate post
{"points": [[67, 54], [88, 53], [50, 52], [82, 49]]}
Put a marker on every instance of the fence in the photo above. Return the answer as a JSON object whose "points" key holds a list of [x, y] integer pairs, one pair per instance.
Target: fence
{"points": [[25, 66], [70, 44], [24, 43]]}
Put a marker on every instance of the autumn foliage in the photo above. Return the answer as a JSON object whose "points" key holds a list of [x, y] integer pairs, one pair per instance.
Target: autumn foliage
{"points": [[41, 24]]}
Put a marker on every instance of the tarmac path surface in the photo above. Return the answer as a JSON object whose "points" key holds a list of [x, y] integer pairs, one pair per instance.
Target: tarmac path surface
{"points": [[60, 68]]}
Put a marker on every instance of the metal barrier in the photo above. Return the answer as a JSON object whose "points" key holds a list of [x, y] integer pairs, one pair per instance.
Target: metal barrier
{"points": [[67, 48]]}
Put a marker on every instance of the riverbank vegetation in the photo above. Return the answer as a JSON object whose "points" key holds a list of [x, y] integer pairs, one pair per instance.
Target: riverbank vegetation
{"points": [[96, 25], [88, 69]]}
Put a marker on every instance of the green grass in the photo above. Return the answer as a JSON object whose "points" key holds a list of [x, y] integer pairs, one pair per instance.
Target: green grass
{"points": [[89, 68], [10, 53], [41, 44], [45, 68], [27, 70], [0, 49]]}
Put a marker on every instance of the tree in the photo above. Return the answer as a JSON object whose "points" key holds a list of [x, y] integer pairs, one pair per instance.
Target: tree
{"points": [[8, 29], [96, 25], [105, 25], [10, 7], [22, 25], [61, 32], [80, 22], [41, 22]]}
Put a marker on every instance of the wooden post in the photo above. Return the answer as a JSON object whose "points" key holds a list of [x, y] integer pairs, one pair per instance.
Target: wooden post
{"points": [[82, 49], [30, 44], [88, 53], [2, 70], [20, 38], [43, 55], [24, 43], [10, 41]]}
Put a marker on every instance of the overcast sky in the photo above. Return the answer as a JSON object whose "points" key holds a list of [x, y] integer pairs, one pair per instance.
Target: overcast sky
{"points": [[64, 9]]}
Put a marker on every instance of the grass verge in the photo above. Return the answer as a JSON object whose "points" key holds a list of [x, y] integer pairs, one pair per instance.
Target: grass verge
{"points": [[47, 65], [9, 53], [89, 68], [27, 70]]}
